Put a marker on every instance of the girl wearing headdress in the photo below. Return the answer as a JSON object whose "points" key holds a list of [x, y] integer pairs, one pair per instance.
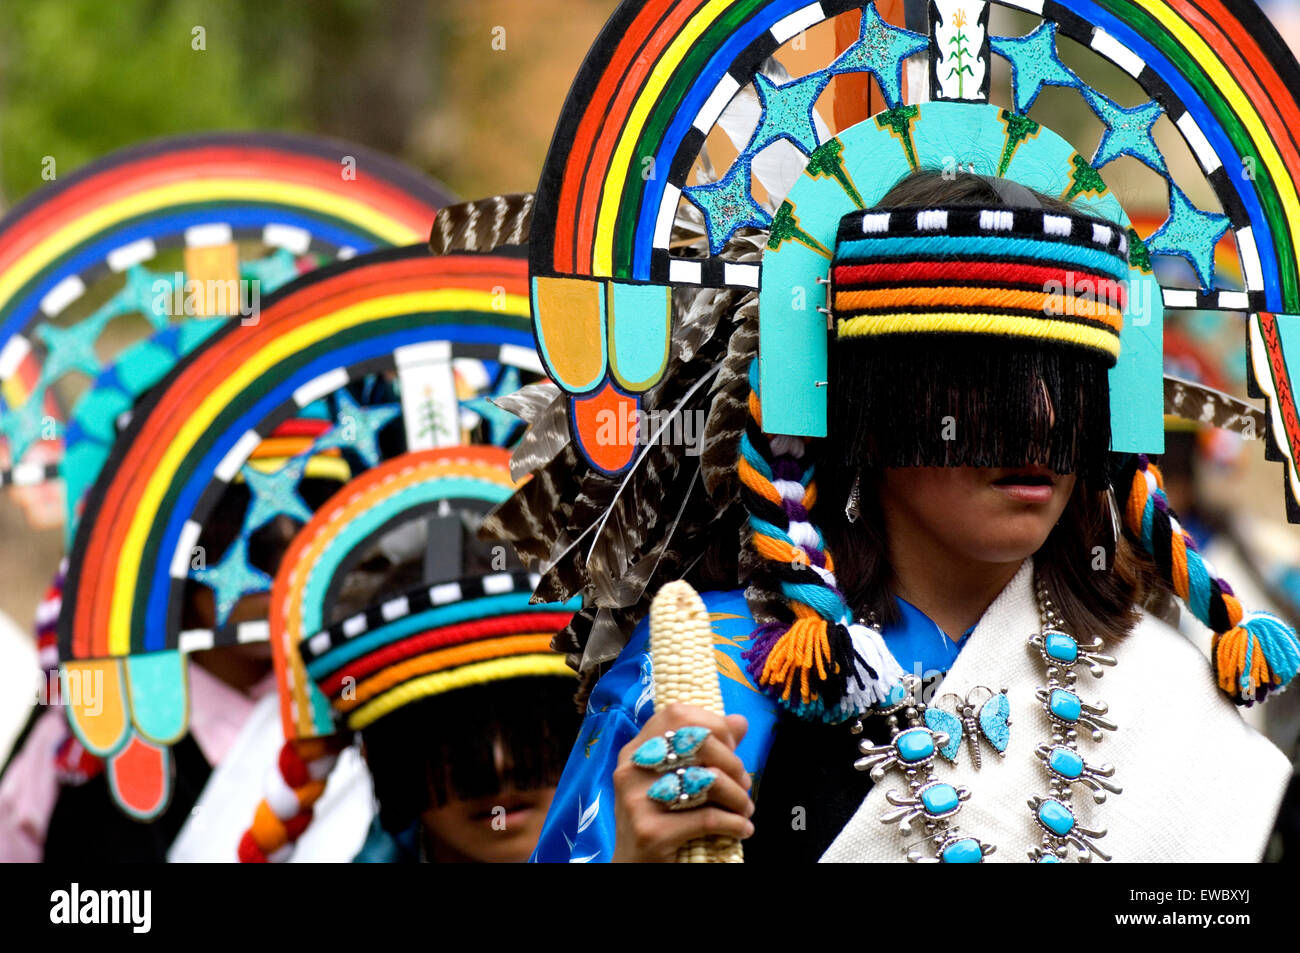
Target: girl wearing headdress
{"points": [[933, 591]]}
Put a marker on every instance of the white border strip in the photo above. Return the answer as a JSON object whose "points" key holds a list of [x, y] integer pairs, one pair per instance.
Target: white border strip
{"points": [[667, 215], [61, 295], [15, 351], [180, 568], [141, 250], [1251, 269], [1205, 154], [205, 236], [795, 23], [740, 274], [237, 456], [289, 237], [318, 387], [524, 358], [1117, 53], [717, 101]]}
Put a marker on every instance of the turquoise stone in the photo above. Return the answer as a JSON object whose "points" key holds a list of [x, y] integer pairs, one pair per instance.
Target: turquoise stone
{"points": [[896, 696], [995, 719], [914, 744], [1061, 647], [1049, 859], [965, 851], [651, 753], [1065, 705], [666, 789], [687, 741], [696, 780], [1056, 817], [950, 725], [1065, 762], [939, 799]]}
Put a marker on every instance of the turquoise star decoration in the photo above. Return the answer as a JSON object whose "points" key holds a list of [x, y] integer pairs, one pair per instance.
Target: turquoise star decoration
{"points": [[276, 269], [1034, 63], [274, 493], [151, 294], [728, 204], [787, 112], [24, 426], [358, 427], [501, 424], [1128, 131], [880, 50], [232, 578], [1191, 234], [70, 349]]}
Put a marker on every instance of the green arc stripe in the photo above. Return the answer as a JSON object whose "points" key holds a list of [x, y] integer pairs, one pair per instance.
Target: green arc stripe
{"points": [[1232, 127]]}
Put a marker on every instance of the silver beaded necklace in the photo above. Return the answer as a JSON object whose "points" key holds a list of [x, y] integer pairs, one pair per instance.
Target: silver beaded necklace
{"points": [[921, 733]]}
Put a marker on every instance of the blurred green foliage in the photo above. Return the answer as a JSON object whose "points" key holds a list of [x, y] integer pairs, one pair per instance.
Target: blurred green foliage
{"points": [[80, 78]]}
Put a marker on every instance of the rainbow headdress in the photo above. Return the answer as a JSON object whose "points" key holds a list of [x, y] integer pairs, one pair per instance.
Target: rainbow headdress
{"points": [[441, 637], [674, 284]]}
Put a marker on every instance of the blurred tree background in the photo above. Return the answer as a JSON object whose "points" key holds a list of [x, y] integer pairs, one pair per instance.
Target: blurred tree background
{"points": [[467, 90]]}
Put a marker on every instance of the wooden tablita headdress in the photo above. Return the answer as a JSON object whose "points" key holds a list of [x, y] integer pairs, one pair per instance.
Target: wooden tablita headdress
{"points": [[660, 266]]}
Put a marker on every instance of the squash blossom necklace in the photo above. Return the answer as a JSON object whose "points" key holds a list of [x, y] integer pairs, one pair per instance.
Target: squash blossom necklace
{"points": [[921, 733]]}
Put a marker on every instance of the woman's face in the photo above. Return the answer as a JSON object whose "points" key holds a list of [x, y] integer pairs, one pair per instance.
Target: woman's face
{"points": [[983, 514]]}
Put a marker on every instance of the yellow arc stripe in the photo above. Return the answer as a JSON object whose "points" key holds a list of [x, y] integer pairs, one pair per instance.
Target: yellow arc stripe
{"points": [[990, 324], [146, 514], [603, 253], [474, 674], [203, 190], [1236, 96]]}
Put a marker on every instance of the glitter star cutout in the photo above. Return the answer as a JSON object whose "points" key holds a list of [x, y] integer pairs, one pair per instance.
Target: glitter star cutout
{"points": [[727, 205], [358, 427], [1034, 63], [232, 578], [500, 423], [1128, 131], [787, 112], [275, 493], [70, 349], [880, 51], [24, 426], [1191, 234]]}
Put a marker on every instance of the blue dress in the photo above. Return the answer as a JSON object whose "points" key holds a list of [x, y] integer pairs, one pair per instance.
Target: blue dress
{"points": [[580, 825]]}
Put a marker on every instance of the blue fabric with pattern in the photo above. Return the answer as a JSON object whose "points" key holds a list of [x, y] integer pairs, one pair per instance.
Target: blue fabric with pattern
{"points": [[580, 825]]}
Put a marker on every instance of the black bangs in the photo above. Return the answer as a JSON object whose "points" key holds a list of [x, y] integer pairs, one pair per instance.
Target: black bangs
{"points": [[442, 748], [939, 400]]}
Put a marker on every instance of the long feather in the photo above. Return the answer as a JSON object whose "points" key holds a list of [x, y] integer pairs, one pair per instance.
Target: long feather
{"points": [[1205, 405], [482, 225]]}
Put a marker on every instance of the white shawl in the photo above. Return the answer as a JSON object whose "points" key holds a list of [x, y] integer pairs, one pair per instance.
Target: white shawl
{"points": [[1199, 784]]}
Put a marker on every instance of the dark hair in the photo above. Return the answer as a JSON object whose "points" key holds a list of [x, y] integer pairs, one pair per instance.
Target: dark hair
{"points": [[1100, 600], [444, 745], [442, 748]]}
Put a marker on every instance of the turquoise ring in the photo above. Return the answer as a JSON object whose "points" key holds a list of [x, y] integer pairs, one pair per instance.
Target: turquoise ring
{"points": [[683, 788], [674, 749]]}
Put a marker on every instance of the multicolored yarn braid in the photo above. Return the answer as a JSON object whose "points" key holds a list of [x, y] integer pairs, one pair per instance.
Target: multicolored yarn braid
{"points": [[819, 663], [1253, 653], [292, 788]]}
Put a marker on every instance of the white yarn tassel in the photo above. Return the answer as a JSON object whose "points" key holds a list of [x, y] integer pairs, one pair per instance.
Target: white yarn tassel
{"points": [[870, 646]]}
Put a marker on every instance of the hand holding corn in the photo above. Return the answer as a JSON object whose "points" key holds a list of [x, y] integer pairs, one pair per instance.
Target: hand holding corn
{"points": [[686, 693]]}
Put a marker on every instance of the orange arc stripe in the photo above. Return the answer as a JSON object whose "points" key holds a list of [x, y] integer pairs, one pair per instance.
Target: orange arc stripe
{"points": [[1051, 305], [317, 300], [444, 659]]}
